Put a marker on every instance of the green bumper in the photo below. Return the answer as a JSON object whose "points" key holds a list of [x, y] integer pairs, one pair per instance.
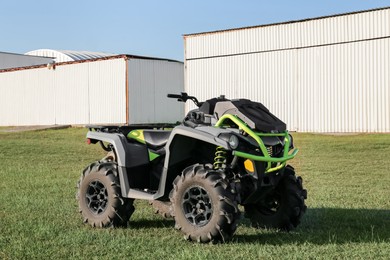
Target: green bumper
{"points": [[271, 161]]}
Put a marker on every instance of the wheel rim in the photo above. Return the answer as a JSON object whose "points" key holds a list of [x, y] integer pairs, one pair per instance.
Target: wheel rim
{"points": [[197, 206], [96, 197]]}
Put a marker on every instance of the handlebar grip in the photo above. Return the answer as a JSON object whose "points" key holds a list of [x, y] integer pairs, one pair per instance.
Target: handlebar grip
{"points": [[174, 96]]}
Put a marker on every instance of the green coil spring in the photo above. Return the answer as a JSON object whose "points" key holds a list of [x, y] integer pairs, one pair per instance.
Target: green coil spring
{"points": [[220, 158]]}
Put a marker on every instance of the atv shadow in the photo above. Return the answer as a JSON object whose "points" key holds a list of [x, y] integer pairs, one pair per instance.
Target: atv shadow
{"points": [[325, 226], [148, 223]]}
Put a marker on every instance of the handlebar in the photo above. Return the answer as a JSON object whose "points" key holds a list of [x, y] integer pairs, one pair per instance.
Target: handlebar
{"points": [[183, 97], [173, 96]]}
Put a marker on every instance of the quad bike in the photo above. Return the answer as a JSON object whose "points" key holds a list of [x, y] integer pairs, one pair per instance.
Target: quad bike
{"points": [[225, 153]]}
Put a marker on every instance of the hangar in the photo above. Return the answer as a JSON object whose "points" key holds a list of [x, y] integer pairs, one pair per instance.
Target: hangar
{"points": [[325, 74]]}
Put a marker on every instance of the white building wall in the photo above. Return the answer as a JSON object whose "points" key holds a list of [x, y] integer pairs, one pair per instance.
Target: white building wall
{"points": [[107, 91], [297, 34], [149, 83], [72, 94], [93, 92], [265, 77], [318, 75], [344, 88], [77, 93], [23, 102]]}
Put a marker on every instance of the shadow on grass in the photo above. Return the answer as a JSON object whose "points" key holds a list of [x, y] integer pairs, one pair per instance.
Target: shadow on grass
{"points": [[327, 226], [148, 223], [319, 226]]}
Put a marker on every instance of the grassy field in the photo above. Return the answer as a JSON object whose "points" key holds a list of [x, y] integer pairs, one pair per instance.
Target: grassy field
{"points": [[348, 216]]}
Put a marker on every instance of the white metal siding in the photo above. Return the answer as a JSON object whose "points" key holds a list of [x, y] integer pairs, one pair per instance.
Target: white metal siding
{"points": [[71, 98], [141, 91], [149, 83], [107, 91], [330, 30], [322, 75], [90, 92], [27, 97], [269, 78], [344, 88]]}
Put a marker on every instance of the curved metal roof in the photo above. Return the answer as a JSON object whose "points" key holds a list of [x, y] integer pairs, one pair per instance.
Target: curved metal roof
{"points": [[66, 55]]}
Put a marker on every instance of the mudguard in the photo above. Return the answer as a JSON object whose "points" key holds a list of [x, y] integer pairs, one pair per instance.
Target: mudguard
{"points": [[116, 139]]}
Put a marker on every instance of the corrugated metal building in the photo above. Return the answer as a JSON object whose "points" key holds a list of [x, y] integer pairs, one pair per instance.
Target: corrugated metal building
{"points": [[66, 55], [119, 89], [327, 74], [14, 60]]}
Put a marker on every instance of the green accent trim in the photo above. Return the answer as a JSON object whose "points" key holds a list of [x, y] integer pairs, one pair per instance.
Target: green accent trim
{"points": [[265, 158], [281, 160], [256, 136], [137, 135], [152, 155]]}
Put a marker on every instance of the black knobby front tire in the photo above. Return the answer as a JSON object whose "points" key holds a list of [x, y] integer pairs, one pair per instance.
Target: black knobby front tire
{"points": [[203, 205], [99, 196], [283, 208]]}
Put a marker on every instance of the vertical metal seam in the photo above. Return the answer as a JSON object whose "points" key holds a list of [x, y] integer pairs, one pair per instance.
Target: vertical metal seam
{"points": [[89, 95], [127, 88]]}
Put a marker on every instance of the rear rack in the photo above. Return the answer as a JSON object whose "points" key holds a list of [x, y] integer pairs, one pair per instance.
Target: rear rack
{"points": [[125, 129]]}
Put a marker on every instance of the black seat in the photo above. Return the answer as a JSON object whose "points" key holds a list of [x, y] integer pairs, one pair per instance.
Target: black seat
{"points": [[156, 139]]}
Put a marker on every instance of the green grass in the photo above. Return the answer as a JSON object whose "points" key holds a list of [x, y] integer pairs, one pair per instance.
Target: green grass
{"points": [[348, 216]]}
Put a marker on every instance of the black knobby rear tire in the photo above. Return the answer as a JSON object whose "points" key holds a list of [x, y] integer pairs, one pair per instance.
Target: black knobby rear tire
{"points": [[283, 208], [203, 205], [99, 196]]}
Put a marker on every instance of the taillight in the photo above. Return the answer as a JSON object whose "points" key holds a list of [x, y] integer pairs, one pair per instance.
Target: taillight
{"points": [[92, 141]]}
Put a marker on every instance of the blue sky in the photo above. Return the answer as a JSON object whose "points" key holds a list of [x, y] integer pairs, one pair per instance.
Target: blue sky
{"points": [[149, 28]]}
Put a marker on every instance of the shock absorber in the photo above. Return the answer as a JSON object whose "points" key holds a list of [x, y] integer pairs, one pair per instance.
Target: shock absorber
{"points": [[220, 158]]}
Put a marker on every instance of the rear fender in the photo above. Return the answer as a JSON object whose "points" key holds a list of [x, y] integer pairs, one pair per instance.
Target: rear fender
{"points": [[118, 143], [127, 155], [117, 140]]}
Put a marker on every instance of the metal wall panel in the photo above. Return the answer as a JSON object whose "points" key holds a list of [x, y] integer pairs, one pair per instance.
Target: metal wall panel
{"points": [[107, 91], [93, 93], [321, 75], [297, 34], [269, 78], [27, 97], [149, 83], [80, 93], [71, 94], [344, 88]]}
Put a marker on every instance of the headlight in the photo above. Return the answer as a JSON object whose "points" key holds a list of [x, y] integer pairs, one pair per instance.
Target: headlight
{"points": [[233, 142]]}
